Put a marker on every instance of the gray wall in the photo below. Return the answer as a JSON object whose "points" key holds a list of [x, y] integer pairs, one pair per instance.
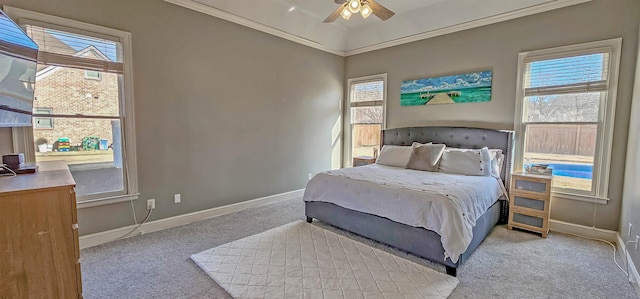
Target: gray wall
{"points": [[496, 47], [631, 195], [223, 113]]}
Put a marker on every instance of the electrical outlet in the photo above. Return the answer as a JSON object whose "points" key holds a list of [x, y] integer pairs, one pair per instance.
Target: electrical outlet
{"points": [[637, 241], [177, 198], [310, 175], [151, 204], [629, 233]]}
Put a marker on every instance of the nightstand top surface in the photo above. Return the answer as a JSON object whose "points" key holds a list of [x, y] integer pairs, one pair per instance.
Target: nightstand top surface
{"points": [[364, 158], [532, 175]]}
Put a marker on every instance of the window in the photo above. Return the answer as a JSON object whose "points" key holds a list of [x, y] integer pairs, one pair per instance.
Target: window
{"points": [[564, 114], [92, 75], [42, 122], [365, 115], [93, 118]]}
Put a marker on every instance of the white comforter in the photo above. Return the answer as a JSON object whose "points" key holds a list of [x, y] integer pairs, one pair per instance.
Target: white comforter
{"points": [[447, 204]]}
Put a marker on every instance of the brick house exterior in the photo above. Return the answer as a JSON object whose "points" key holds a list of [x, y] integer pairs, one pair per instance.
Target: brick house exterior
{"points": [[67, 91]]}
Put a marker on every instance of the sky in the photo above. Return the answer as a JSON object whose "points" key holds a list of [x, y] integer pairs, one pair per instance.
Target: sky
{"points": [[478, 79]]}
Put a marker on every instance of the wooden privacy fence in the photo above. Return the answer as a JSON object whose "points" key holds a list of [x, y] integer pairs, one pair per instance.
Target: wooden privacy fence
{"points": [[562, 139], [366, 135], [545, 139]]}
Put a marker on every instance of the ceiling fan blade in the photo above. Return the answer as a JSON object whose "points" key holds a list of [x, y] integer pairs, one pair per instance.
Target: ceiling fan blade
{"points": [[380, 11], [335, 14]]}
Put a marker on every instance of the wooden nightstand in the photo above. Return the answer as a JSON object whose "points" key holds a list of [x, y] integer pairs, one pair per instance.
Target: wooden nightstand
{"points": [[363, 160], [530, 202]]}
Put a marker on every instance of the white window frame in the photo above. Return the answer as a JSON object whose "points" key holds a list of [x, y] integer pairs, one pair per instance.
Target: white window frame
{"points": [[23, 136], [348, 159], [49, 110], [90, 77], [604, 140]]}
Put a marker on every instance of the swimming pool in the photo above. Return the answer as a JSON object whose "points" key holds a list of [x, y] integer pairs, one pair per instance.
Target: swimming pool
{"points": [[580, 171]]}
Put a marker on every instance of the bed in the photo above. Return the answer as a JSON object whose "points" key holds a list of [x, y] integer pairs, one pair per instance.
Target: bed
{"points": [[415, 238]]}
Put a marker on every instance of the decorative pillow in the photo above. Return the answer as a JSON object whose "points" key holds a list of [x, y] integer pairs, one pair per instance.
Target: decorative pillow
{"points": [[467, 162], [426, 157], [394, 155]]}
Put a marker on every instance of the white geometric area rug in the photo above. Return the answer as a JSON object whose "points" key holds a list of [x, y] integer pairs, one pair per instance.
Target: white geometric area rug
{"points": [[300, 260]]}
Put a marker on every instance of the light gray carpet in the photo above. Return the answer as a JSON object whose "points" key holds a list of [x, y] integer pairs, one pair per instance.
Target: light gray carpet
{"points": [[508, 264]]}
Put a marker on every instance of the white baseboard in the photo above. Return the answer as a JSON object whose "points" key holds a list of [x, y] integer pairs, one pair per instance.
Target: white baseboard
{"points": [[634, 277], [156, 225], [581, 230]]}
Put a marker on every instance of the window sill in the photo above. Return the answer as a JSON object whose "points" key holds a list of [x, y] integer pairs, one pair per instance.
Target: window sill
{"points": [[584, 198], [83, 204]]}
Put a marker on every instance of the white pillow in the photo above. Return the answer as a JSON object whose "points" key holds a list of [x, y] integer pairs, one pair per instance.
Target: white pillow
{"points": [[394, 155], [425, 157], [466, 162], [497, 162]]}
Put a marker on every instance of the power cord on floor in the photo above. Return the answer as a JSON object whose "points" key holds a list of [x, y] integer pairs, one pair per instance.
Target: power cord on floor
{"points": [[626, 272], [137, 227]]}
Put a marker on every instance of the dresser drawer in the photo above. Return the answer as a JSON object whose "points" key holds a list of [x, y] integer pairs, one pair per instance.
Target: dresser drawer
{"points": [[528, 203], [528, 185], [528, 220]]}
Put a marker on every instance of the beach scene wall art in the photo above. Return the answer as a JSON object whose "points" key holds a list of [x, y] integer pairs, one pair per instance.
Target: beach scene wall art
{"points": [[463, 88]]}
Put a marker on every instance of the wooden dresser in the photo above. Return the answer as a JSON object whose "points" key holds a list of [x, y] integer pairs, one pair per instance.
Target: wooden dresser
{"points": [[39, 252]]}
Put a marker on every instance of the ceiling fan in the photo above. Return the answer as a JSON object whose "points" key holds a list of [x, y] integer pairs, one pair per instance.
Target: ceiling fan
{"points": [[364, 7]]}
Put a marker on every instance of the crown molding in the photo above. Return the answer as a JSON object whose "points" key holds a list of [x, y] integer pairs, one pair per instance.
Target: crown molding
{"points": [[212, 11], [193, 5], [469, 25]]}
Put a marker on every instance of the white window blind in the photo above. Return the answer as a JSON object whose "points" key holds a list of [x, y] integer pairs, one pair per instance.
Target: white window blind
{"points": [[72, 49], [583, 73], [367, 94]]}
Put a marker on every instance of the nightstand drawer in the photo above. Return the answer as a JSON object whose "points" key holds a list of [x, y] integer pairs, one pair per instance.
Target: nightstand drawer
{"points": [[528, 185], [529, 203], [528, 220]]}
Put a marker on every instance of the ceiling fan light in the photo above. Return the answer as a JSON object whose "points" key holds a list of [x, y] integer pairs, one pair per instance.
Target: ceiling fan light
{"points": [[346, 14], [354, 6], [365, 11]]}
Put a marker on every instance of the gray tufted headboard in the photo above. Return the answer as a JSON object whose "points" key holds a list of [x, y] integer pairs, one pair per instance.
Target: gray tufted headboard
{"points": [[457, 137]]}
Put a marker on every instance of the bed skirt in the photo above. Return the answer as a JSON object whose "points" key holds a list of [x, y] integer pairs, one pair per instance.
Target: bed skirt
{"points": [[419, 241]]}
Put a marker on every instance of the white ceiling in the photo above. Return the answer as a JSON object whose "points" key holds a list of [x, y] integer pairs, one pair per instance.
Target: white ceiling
{"points": [[301, 20]]}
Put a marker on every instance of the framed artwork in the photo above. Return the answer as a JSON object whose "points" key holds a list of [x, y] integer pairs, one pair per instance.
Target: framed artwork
{"points": [[463, 88]]}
